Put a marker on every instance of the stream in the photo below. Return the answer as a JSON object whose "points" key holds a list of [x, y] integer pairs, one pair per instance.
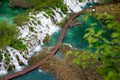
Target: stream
{"points": [[34, 40]]}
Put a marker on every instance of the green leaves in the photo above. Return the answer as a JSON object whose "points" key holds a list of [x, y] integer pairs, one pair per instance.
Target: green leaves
{"points": [[21, 19], [106, 51], [19, 45], [115, 35], [7, 34], [45, 4]]}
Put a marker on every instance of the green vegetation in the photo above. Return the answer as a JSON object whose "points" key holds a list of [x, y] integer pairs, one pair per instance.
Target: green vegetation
{"points": [[45, 4], [8, 37], [47, 39], [107, 1], [1, 56], [63, 69], [7, 59], [7, 34], [19, 45], [31, 29], [11, 67], [20, 19], [105, 59], [63, 21]]}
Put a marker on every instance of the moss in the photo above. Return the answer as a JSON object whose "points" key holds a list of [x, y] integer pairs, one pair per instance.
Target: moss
{"points": [[34, 22], [11, 67], [31, 29], [39, 22], [8, 34], [7, 58], [21, 63], [21, 19], [1, 56], [46, 15], [47, 39], [32, 17], [19, 45], [48, 4]]}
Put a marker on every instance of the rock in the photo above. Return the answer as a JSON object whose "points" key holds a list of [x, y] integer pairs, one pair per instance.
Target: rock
{"points": [[75, 22], [20, 3]]}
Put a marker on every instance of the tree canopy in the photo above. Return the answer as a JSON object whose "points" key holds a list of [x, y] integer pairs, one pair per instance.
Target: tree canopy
{"points": [[105, 59]]}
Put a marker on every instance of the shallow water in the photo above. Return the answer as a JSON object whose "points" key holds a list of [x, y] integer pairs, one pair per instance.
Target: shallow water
{"points": [[36, 75], [7, 14], [74, 36]]}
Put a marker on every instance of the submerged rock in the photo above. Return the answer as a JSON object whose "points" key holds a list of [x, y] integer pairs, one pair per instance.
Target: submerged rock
{"points": [[20, 3], [75, 22]]}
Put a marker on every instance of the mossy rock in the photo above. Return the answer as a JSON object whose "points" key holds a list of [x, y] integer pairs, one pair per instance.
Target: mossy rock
{"points": [[11, 67], [31, 29], [1, 56], [47, 39]]}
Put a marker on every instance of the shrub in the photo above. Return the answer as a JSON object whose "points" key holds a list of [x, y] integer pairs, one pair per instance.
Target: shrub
{"points": [[20, 19], [7, 34], [19, 45]]}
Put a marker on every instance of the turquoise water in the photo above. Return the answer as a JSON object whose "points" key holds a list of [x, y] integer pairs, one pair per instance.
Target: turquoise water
{"points": [[75, 34], [36, 75], [7, 14]]}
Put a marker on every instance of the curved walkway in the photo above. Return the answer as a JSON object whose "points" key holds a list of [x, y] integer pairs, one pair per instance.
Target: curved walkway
{"points": [[53, 51]]}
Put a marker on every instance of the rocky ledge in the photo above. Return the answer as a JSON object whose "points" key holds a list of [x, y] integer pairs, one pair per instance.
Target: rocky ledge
{"points": [[20, 3]]}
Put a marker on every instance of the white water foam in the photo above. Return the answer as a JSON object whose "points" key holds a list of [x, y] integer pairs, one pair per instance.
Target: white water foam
{"points": [[75, 5], [34, 39], [2, 68]]}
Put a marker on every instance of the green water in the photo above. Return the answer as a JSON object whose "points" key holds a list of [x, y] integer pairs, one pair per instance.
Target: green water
{"points": [[36, 75], [7, 14], [75, 34]]}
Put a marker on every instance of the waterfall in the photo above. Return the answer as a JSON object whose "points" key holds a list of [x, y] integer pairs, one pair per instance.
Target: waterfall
{"points": [[75, 5], [2, 67], [41, 24]]}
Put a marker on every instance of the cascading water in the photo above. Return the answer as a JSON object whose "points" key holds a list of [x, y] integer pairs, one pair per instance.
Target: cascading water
{"points": [[41, 25], [75, 5], [33, 39]]}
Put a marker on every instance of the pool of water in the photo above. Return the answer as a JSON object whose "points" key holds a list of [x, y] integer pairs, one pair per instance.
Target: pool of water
{"points": [[36, 75], [6, 13], [74, 35]]}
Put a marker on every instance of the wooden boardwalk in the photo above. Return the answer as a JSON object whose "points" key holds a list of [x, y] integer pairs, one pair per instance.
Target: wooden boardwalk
{"points": [[53, 51]]}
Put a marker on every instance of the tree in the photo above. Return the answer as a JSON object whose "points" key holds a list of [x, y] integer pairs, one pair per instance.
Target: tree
{"points": [[106, 52]]}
